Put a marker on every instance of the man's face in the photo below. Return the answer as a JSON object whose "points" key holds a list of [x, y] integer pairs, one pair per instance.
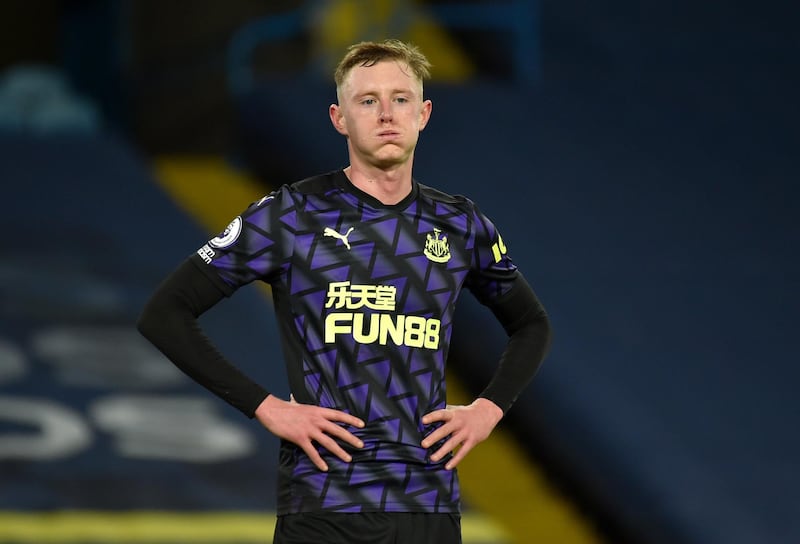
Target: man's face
{"points": [[381, 112]]}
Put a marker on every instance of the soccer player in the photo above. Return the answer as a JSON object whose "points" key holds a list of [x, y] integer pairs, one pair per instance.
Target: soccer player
{"points": [[366, 265]]}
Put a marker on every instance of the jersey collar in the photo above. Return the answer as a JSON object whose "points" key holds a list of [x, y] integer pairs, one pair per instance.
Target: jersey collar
{"points": [[343, 182]]}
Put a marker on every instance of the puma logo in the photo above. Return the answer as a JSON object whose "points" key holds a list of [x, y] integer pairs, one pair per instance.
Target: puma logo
{"points": [[343, 237]]}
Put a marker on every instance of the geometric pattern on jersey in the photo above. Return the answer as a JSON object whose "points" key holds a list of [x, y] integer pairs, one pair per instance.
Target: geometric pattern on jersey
{"points": [[365, 295]]}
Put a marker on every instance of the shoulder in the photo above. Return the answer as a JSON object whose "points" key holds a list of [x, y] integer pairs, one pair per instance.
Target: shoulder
{"points": [[318, 184], [440, 197], [289, 195], [474, 218]]}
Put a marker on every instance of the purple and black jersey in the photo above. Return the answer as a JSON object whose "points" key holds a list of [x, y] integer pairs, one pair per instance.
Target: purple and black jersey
{"points": [[365, 295]]}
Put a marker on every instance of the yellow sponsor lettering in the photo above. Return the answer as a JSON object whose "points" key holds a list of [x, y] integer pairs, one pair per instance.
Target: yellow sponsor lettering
{"points": [[333, 327], [358, 329], [392, 328], [403, 330]]}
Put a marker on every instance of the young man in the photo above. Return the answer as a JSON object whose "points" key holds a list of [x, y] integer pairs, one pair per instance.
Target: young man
{"points": [[365, 265]]}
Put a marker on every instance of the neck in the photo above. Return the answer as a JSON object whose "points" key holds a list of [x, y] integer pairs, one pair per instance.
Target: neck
{"points": [[388, 186]]}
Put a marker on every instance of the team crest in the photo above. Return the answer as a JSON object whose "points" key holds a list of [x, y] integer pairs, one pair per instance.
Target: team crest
{"points": [[437, 249]]}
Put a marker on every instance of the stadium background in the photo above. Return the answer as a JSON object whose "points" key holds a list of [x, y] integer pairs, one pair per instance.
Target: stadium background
{"points": [[640, 159]]}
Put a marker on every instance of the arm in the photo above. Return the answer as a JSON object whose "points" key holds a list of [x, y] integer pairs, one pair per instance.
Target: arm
{"points": [[169, 321], [529, 337]]}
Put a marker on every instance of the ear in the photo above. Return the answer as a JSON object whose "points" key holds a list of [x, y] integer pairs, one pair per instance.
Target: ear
{"points": [[337, 119], [425, 114]]}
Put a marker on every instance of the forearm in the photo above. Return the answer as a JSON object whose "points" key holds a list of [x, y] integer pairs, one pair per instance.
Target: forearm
{"points": [[169, 321], [529, 338]]}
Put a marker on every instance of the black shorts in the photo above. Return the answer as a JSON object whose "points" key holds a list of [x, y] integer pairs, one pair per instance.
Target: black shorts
{"points": [[368, 528]]}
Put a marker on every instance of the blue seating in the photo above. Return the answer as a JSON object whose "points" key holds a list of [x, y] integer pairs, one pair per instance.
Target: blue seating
{"points": [[38, 98]]}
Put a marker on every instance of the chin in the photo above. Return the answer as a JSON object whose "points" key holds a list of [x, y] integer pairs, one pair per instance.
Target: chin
{"points": [[386, 160], [388, 163]]}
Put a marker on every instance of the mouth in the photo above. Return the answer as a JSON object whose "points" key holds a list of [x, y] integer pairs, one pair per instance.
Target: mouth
{"points": [[388, 134]]}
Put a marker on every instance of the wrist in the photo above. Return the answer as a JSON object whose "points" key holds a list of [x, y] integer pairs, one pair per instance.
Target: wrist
{"points": [[490, 407], [266, 406]]}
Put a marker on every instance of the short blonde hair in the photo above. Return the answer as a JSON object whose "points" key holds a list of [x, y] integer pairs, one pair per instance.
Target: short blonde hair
{"points": [[370, 53]]}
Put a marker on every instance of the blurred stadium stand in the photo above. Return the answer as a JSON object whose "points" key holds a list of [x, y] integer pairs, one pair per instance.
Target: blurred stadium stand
{"points": [[642, 168]]}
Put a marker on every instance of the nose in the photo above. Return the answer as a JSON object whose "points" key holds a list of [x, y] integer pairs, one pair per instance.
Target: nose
{"points": [[385, 114]]}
